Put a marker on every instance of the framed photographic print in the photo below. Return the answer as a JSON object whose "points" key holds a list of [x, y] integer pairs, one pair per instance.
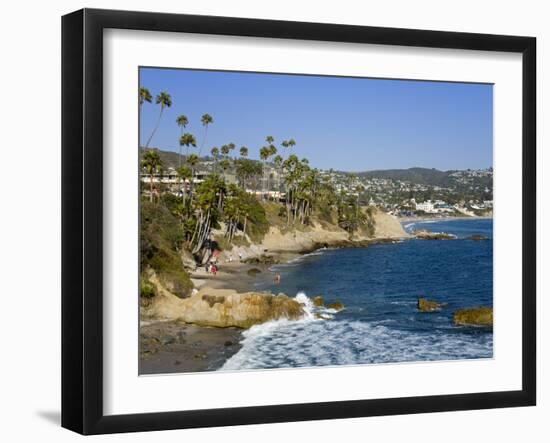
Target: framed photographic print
{"points": [[269, 221]]}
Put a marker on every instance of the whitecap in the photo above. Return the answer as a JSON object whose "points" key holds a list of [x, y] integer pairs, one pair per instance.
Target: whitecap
{"points": [[311, 342]]}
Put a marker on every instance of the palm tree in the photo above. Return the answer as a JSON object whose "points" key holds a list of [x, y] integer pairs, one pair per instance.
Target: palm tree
{"points": [[188, 140], [192, 161], [264, 155], [288, 143], [224, 164], [272, 152], [243, 151], [182, 122], [152, 164], [216, 154], [209, 200], [231, 146], [165, 101], [144, 96], [184, 173], [278, 160], [206, 119], [225, 150]]}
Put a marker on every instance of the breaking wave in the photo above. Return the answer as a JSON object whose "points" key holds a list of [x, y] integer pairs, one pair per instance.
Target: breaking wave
{"points": [[313, 341]]}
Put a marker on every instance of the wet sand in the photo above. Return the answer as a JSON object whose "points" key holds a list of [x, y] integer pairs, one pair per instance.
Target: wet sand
{"points": [[170, 347]]}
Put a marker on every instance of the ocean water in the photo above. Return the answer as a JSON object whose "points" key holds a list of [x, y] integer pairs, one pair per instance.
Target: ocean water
{"points": [[379, 287]]}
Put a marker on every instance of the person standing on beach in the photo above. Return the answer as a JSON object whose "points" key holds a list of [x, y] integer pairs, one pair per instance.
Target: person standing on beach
{"points": [[277, 278]]}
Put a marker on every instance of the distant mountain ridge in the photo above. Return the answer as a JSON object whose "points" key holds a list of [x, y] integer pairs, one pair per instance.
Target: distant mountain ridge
{"points": [[423, 176]]}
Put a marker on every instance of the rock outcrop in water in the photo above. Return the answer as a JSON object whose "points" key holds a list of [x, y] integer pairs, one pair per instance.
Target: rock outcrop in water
{"points": [[222, 307], [424, 305], [477, 237], [318, 301], [337, 306], [427, 235], [482, 316]]}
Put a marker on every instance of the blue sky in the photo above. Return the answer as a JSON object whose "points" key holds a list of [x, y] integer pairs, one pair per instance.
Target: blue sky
{"points": [[351, 124]]}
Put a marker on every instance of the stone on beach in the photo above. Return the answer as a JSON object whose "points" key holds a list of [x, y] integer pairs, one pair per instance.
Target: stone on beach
{"points": [[252, 272]]}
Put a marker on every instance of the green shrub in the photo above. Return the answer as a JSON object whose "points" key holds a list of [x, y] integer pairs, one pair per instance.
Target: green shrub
{"points": [[146, 289], [161, 240], [257, 224]]}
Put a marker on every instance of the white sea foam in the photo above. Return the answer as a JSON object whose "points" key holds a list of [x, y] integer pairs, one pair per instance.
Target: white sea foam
{"points": [[316, 342], [403, 303]]}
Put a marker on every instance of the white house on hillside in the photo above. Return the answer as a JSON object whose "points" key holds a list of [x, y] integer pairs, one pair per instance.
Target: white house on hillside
{"points": [[427, 206]]}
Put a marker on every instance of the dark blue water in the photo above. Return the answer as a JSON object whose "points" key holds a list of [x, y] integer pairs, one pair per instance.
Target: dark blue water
{"points": [[379, 287]]}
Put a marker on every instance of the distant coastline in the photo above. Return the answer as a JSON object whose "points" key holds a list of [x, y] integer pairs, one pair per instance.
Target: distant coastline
{"points": [[443, 218]]}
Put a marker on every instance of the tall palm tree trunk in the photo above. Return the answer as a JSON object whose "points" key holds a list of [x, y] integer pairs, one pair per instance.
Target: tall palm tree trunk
{"points": [[155, 129], [179, 158], [203, 140]]}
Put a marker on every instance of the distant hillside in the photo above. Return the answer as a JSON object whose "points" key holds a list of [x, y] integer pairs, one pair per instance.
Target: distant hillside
{"points": [[425, 176], [169, 159]]}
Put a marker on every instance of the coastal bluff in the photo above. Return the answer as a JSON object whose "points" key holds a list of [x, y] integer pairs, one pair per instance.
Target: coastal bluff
{"points": [[221, 308], [319, 234]]}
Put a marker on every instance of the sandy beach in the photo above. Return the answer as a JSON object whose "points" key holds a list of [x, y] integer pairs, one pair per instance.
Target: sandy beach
{"points": [[238, 275]]}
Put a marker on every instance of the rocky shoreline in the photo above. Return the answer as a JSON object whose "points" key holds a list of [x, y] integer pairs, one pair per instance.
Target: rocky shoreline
{"points": [[172, 346], [200, 332]]}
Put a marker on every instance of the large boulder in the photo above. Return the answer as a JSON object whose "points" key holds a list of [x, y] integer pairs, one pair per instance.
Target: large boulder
{"points": [[226, 308], [424, 305], [482, 316], [220, 307], [212, 308]]}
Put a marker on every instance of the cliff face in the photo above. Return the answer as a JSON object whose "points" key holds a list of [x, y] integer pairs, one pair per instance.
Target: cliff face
{"points": [[317, 235], [386, 227], [299, 241]]}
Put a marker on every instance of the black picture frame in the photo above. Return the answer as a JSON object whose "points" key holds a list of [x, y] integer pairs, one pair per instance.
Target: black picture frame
{"points": [[82, 218]]}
